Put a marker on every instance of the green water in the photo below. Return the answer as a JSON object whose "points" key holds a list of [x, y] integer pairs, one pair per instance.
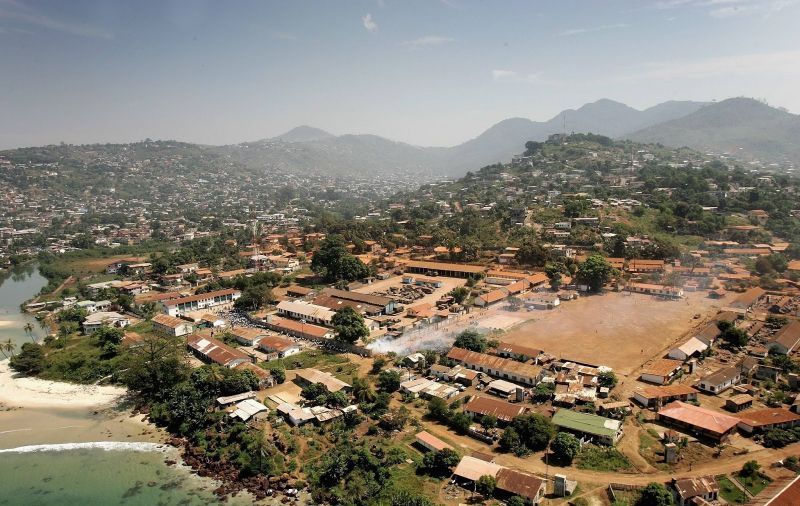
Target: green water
{"points": [[17, 286], [98, 477]]}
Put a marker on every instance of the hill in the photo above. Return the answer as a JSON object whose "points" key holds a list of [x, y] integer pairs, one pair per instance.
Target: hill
{"points": [[742, 127], [312, 149]]}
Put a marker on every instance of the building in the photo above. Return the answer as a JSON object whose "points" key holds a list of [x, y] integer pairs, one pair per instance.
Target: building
{"points": [[382, 305], [311, 313], [686, 490], [496, 366], [661, 371], [209, 349], [249, 408], [445, 269], [786, 340], [200, 301], [298, 329], [693, 347], [717, 382], [653, 289], [699, 421], [643, 265], [167, 325], [504, 411], [491, 298], [471, 469], [762, 420], [425, 388], [305, 377], [598, 428], [430, 442], [748, 299], [100, 319], [276, 344], [739, 402], [655, 397], [517, 352], [247, 336], [510, 482]]}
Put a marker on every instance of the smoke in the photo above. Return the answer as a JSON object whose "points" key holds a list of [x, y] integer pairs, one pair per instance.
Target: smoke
{"points": [[431, 337]]}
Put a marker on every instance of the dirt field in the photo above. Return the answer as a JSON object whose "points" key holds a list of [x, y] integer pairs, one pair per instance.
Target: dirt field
{"points": [[619, 330]]}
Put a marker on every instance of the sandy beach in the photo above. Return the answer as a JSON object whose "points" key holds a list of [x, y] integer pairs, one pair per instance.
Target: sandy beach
{"points": [[23, 392]]}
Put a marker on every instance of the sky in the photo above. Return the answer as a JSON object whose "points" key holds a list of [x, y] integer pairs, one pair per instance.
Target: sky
{"points": [[426, 72]]}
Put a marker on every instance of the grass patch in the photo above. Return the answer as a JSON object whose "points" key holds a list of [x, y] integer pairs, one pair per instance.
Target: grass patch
{"points": [[754, 483], [338, 365], [730, 492], [597, 458]]}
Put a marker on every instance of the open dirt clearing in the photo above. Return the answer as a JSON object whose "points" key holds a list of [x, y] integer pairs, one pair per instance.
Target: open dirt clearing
{"points": [[619, 330]]}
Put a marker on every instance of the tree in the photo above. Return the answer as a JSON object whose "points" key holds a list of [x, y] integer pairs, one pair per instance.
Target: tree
{"points": [[527, 433], [565, 447], [750, 468], [574, 208], [460, 294], [155, 367], [461, 422], [532, 253], [607, 379], [349, 325], [8, 346], [109, 339], [655, 494], [510, 441], [438, 409], [471, 340], [732, 334], [440, 463], [30, 360], [595, 272], [516, 501], [254, 297], [485, 485], [488, 422], [334, 263], [278, 373], [29, 331], [554, 271], [543, 391], [389, 381]]}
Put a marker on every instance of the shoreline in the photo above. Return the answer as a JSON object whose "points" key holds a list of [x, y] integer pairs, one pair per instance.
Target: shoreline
{"points": [[28, 392]]}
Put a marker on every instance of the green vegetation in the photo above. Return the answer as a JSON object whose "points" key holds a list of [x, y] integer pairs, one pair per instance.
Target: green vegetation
{"points": [[472, 340], [349, 325], [655, 494], [526, 434], [600, 458], [751, 479], [565, 448], [595, 272], [730, 492], [334, 263]]}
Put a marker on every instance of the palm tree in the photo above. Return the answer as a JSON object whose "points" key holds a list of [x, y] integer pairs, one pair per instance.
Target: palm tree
{"points": [[263, 449], [29, 331], [8, 347]]}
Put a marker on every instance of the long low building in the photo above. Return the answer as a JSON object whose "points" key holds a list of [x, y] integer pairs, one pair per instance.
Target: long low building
{"points": [[445, 269], [167, 325], [298, 329], [306, 377], [657, 396], [183, 305], [699, 421], [384, 305], [496, 366], [311, 313], [480, 406], [599, 428], [762, 420], [509, 482], [212, 350]]}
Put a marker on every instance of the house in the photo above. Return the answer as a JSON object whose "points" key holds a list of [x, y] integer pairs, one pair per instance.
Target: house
{"points": [[209, 349], [167, 325], [496, 366], [739, 402], [708, 334], [100, 319], [786, 340], [305, 377], [490, 298], [247, 336], [655, 397], [480, 406], [425, 388], [298, 292], [510, 483], [517, 352], [306, 311], [265, 379], [643, 265], [298, 328], [686, 490], [200, 301], [471, 469], [748, 299], [503, 388], [598, 428], [661, 371], [762, 420], [717, 382], [699, 421], [430, 442], [414, 360], [249, 408], [372, 305], [693, 347], [276, 344]]}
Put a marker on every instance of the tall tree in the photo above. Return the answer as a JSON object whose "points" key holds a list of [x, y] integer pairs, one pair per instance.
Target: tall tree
{"points": [[349, 325]]}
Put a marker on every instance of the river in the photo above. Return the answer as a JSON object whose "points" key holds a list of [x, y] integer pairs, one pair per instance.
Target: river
{"points": [[82, 456]]}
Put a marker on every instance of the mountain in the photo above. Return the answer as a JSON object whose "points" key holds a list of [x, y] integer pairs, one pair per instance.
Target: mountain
{"points": [[307, 148], [304, 133], [742, 127]]}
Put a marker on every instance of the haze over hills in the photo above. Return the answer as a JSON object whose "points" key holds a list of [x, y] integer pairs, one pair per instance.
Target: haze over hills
{"points": [[743, 127], [309, 148]]}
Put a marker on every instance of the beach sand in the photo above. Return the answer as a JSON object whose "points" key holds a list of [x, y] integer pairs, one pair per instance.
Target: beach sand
{"points": [[19, 391]]}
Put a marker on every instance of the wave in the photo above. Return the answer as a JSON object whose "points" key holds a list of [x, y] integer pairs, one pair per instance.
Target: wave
{"points": [[96, 445]]}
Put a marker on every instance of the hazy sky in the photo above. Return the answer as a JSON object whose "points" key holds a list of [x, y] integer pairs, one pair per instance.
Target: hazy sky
{"points": [[425, 72]]}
